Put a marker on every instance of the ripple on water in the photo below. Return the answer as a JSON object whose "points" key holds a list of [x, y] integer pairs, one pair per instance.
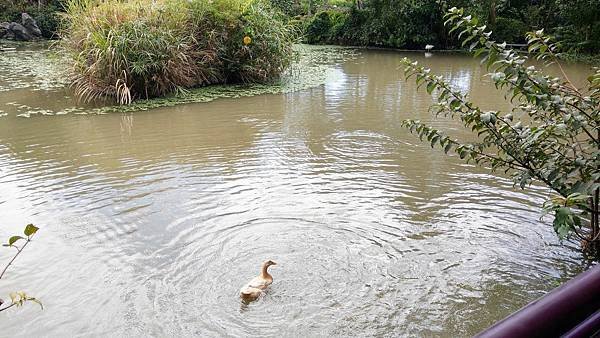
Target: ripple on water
{"points": [[215, 263], [152, 222]]}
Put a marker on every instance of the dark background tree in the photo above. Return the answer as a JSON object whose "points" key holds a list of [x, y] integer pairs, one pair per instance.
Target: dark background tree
{"points": [[413, 24]]}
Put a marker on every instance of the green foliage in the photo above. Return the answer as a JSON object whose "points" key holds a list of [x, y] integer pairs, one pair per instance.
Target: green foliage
{"points": [[30, 230], [552, 134], [406, 24], [318, 29], [510, 30], [350, 33], [413, 24], [268, 54], [288, 7], [580, 24], [325, 27], [19, 298], [46, 15], [48, 19], [142, 48]]}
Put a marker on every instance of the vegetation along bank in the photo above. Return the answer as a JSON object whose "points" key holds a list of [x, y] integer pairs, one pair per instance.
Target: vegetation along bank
{"points": [[143, 48], [414, 24], [396, 23]]}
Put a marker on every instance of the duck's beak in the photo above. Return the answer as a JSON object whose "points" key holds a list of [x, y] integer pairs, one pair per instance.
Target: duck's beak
{"points": [[274, 263]]}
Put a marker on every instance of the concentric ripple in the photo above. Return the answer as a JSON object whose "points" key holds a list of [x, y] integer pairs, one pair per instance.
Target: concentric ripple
{"points": [[151, 222]]}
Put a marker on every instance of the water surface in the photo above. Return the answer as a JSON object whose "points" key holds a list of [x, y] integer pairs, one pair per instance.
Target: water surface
{"points": [[152, 221]]}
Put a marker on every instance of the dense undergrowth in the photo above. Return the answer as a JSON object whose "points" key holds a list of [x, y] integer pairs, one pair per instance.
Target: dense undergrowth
{"points": [[405, 24], [143, 48], [411, 24], [46, 14]]}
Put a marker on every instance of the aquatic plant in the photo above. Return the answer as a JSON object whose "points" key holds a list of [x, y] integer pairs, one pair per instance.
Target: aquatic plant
{"points": [[552, 135], [19, 298], [143, 49], [129, 49], [311, 68]]}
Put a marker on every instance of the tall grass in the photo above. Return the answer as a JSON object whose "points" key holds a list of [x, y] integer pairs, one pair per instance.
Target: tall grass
{"points": [[145, 48]]}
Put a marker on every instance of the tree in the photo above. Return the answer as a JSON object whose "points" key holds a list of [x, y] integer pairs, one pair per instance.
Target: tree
{"points": [[552, 136], [581, 24]]}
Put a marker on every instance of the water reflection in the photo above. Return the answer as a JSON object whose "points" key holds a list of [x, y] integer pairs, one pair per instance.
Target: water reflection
{"points": [[152, 221]]}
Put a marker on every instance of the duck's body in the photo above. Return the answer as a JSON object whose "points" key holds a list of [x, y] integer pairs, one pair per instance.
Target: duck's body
{"points": [[258, 284]]}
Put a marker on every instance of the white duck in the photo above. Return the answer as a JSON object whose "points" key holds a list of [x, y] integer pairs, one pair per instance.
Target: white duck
{"points": [[258, 284]]}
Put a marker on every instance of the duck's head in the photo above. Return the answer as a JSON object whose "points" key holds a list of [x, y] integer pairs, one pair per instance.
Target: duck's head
{"points": [[268, 263], [265, 266]]}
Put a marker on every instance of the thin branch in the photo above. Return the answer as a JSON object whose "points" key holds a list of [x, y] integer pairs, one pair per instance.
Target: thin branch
{"points": [[16, 255], [8, 307]]}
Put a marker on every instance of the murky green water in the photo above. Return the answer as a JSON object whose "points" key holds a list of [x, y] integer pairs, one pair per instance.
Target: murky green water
{"points": [[151, 221]]}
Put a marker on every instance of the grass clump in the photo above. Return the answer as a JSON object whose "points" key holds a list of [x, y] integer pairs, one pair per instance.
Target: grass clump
{"points": [[144, 48]]}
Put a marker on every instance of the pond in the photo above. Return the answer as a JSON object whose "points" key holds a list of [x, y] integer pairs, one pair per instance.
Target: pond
{"points": [[151, 221]]}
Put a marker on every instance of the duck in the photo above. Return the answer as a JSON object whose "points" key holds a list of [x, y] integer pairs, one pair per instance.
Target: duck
{"points": [[255, 287]]}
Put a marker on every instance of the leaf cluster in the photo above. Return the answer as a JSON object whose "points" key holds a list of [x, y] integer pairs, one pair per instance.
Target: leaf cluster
{"points": [[551, 135]]}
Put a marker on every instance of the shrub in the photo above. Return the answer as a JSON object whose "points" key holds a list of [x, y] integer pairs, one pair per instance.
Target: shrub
{"points": [[143, 48], [405, 24], [352, 30], [129, 49], [46, 16], [319, 28], [268, 52], [326, 27], [338, 22], [510, 30], [287, 7]]}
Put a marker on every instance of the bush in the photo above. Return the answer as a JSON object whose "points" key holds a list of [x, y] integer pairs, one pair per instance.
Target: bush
{"points": [[351, 32], [404, 24], [268, 54], [143, 48], [576, 43], [319, 28], [338, 23], [287, 7], [46, 16], [326, 27], [510, 30]]}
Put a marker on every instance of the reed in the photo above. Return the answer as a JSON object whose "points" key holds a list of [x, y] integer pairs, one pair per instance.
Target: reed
{"points": [[139, 49]]}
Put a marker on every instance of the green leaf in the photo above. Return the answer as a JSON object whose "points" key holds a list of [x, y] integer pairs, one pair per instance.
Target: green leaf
{"points": [[434, 140], [563, 220], [30, 229], [486, 117], [430, 87], [13, 239], [479, 51]]}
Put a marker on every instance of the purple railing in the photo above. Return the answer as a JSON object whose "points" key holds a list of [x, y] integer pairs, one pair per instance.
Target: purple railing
{"points": [[571, 310]]}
